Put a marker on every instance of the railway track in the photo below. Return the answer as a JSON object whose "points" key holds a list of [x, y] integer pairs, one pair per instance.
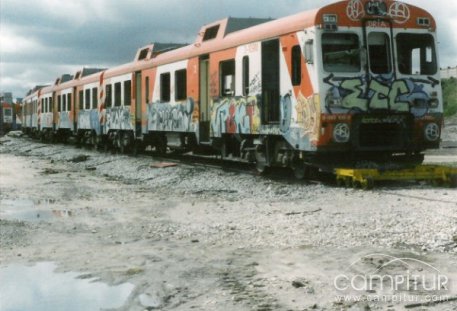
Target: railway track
{"points": [[342, 177]]}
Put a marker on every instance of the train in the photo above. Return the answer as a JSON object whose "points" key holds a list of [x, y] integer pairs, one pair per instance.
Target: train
{"points": [[10, 117], [352, 82]]}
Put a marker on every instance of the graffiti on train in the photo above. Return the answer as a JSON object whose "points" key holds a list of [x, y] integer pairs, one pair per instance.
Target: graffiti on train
{"points": [[306, 123], [382, 93], [118, 118], [46, 120], [171, 117], [235, 115], [308, 115], [64, 120], [88, 120]]}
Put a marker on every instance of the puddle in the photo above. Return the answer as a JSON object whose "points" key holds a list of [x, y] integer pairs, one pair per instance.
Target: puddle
{"points": [[39, 288], [28, 210]]}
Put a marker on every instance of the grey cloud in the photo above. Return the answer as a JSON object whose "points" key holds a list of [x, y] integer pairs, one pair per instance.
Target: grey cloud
{"points": [[108, 32]]}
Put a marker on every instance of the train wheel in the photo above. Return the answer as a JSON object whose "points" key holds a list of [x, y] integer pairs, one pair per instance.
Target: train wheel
{"points": [[52, 138], [339, 182], [261, 168], [162, 145], [368, 184], [261, 161], [357, 184], [121, 144], [301, 171], [136, 148], [94, 141]]}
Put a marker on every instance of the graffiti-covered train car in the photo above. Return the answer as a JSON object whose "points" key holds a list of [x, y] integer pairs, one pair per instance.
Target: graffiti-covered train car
{"points": [[351, 82], [354, 80], [30, 112]]}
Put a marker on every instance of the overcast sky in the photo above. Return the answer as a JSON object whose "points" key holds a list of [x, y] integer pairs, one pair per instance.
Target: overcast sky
{"points": [[43, 39]]}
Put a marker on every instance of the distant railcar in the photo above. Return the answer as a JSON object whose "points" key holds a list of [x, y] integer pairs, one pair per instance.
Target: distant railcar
{"points": [[352, 81], [6, 117]]}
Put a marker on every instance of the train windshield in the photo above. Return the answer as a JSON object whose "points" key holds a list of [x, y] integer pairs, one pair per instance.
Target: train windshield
{"points": [[379, 53], [416, 54], [341, 52]]}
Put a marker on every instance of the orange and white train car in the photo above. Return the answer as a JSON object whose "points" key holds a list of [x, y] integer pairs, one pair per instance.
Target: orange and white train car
{"points": [[30, 112], [353, 80], [45, 112]]}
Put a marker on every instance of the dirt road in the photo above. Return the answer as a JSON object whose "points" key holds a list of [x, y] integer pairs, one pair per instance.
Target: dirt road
{"points": [[196, 238]]}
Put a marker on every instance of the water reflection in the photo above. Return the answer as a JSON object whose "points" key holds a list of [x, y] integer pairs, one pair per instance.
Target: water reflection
{"points": [[28, 210], [39, 288]]}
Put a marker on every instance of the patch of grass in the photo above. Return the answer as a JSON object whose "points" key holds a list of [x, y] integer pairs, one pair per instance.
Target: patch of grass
{"points": [[450, 96]]}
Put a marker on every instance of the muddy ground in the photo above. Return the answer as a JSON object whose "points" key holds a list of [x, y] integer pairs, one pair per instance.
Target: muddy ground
{"points": [[201, 238]]}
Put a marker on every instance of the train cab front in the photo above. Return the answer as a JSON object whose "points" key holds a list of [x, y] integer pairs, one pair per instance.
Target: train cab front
{"points": [[379, 136], [380, 86]]}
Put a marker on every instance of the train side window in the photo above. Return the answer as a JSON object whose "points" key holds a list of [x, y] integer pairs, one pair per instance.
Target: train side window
{"points": [[146, 97], [341, 52], [94, 98], [181, 84], [81, 100], [117, 94], [416, 54], [165, 87], [51, 106], [68, 102], [245, 75], [43, 105], [309, 54], [127, 93], [64, 103], [87, 99], [108, 98], [379, 52], [227, 77], [296, 65]]}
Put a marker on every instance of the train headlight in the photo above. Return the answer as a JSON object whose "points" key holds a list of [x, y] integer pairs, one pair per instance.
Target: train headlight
{"points": [[432, 132], [341, 133]]}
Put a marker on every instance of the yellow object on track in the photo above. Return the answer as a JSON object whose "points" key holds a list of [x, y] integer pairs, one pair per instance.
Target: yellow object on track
{"points": [[365, 178]]}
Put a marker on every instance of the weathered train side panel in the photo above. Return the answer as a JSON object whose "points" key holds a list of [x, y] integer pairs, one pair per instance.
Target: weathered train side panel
{"points": [[168, 112], [118, 118], [88, 120]]}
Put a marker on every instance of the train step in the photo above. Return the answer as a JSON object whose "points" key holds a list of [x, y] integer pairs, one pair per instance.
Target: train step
{"points": [[366, 178]]}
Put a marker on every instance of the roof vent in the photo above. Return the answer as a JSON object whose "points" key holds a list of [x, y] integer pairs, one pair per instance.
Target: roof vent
{"points": [[211, 33], [143, 54]]}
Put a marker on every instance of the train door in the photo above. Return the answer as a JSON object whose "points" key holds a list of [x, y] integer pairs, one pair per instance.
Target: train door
{"points": [[55, 117], [75, 109], [270, 108], [205, 113], [138, 100]]}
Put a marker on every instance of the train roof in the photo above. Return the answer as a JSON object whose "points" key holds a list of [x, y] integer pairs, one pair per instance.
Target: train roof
{"points": [[230, 32]]}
